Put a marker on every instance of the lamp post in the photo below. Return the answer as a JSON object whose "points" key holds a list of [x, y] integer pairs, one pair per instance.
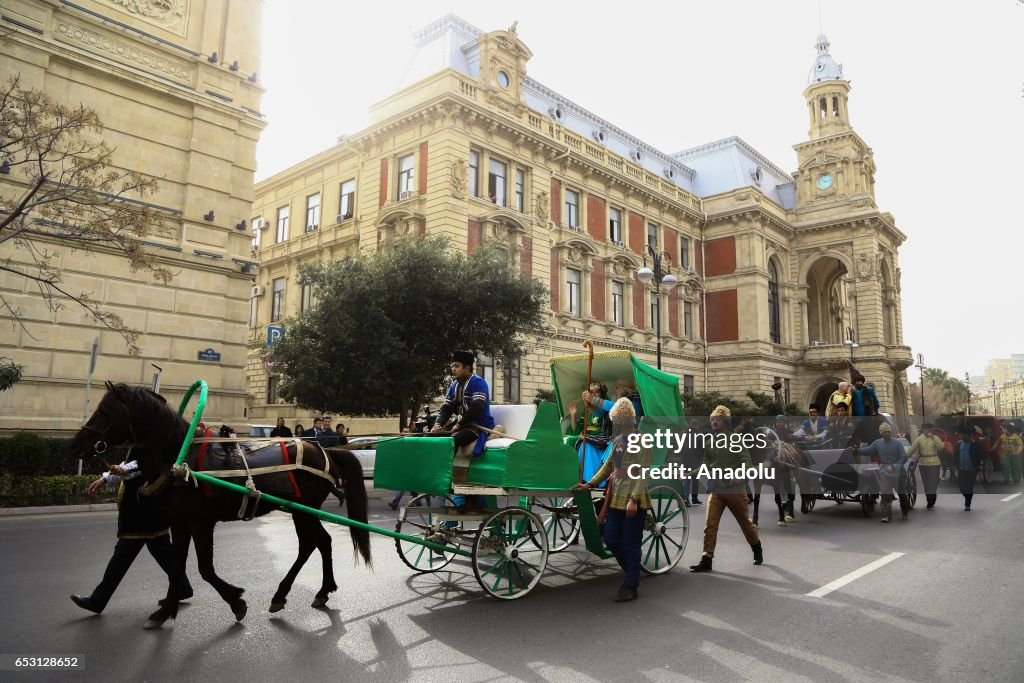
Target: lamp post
{"points": [[920, 366], [662, 278], [995, 400], [853, 345], [967, 382]]}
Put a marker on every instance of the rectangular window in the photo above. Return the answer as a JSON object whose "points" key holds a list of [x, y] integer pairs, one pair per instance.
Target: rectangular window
{"points": [[520, 190], [485, 369], [574, 279], [652, 236], [257, 228], [305, 298], [272, 389], [684, 252], [474, 174], [655, 312], [277, 299], [572, 208], [254, 308], [688, 384], [510, 377], [688, 319], [282, 224], [347, 203], [406, 176], [618, 297], [312, 212], [615, 225], [496, 188]]}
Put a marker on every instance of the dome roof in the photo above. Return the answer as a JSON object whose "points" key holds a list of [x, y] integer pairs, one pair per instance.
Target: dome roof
{"points": [[825, 68]]}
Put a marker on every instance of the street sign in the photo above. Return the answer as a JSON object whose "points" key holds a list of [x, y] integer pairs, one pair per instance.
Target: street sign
{"points": [[95, 353], [274, 333], [209, 354]]}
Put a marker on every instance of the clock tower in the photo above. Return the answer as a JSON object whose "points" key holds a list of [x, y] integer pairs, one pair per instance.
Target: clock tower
{"points": [[836, 165]]}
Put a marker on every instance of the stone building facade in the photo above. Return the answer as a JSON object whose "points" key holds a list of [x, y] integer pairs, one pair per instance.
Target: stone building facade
{"points": [[176, 87], [776, 271]]}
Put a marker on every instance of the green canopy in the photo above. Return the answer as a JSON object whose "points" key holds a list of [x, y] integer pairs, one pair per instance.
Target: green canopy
{"points": [[659, 390]]}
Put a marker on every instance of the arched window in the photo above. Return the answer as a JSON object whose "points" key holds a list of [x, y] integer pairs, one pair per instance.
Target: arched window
{"points": [[774, 329]]}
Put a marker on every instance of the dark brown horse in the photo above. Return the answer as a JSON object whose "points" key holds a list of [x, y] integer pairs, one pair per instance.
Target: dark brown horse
{"points": [[788, 462], [142, 419]]}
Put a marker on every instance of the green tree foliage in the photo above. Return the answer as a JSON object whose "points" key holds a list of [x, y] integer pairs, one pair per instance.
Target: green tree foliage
{"points": [[379, 338], [10, 373], [701, 404], [950, 393]]}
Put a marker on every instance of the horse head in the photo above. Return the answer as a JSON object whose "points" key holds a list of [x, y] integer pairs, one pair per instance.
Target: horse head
{"points": [[134, 418]]}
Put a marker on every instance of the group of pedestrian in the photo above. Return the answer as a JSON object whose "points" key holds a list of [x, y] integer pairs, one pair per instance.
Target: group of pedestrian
{"points": [[321, 432]]}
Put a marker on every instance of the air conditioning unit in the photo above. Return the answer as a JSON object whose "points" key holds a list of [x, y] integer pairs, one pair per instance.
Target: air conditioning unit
{"points": [[406, 194], [261, 224], [311, 228], [343, 217], [619, 244], [575, 228], [256, 291]]}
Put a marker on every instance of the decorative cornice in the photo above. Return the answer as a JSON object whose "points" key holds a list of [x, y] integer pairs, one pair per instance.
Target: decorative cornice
{"points": [[736, 141], [428, 33]]}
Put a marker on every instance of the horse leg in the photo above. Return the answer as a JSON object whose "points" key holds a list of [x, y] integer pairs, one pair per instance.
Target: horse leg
{"points": [[202, 535], [757, 500], [323, 544], [181, 536], [307, 545]]}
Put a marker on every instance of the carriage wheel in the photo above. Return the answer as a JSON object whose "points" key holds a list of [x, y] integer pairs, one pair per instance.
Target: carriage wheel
{"points": [[508, 560], [560, 520], [912, 488], [811, 503], [986, 470], [428, 524], [666, 531], [867, 504]]}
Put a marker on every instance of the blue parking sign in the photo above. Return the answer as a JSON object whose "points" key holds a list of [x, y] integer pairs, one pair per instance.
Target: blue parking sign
{"points": [[274, 333]]}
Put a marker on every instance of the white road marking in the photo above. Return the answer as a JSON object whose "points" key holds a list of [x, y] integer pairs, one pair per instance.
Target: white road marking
{"points": [[1011, 497], [854, 575]]}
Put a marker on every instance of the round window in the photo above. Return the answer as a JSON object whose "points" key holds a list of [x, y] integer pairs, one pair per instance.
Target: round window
{"points": [[503, 79]]}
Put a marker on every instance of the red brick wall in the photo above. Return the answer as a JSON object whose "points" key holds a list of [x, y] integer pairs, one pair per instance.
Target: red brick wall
{"points": [[556, 202], [671, 245], [383, 181], [423, 227], [637, 236], [673, 313], [721, 255], [555, 282], [475, 236], [595, 218], [723, 316], [422, 185], [526, 259], [597, 290], [639, 313]]}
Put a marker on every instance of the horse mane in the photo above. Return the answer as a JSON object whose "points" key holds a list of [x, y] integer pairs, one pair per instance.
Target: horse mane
{"points": [[157, 425]]}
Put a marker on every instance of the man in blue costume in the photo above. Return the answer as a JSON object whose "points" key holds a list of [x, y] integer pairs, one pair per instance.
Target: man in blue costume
{"points": [[468, 402]]}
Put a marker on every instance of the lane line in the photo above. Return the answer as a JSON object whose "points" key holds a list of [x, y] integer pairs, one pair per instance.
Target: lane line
{"points": [[1011, 497], [854, 575]]}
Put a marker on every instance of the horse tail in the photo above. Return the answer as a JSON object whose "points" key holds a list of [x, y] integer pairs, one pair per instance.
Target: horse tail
{"points": [[355, 497]]}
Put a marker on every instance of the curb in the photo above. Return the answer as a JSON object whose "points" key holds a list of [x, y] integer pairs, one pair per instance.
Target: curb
{"points": [[52, 509], [371, 493]]}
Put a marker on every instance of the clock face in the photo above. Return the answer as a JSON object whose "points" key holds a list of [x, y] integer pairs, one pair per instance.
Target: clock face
{"points": [[824, 181]]}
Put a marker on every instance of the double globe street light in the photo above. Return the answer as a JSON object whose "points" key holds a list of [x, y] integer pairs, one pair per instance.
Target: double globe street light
{"points": [[663, 279]]}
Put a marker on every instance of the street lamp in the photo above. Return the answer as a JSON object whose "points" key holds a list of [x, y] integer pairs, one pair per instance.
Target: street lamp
{"points": [[995, 399], [662, 278], [967, 382], [920, 383], [853, 345]]}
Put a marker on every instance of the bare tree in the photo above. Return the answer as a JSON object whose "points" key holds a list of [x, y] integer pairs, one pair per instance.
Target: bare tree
{"points": [[63, 192]]}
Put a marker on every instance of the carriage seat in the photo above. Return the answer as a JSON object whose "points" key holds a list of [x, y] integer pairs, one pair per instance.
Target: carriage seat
{"points": [[512, 420]]}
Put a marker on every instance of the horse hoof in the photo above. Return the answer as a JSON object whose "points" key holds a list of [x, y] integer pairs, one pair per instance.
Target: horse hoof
{"points": [[789, 519], [318, 601], [780, 523], [276, 606], [239, 608]]}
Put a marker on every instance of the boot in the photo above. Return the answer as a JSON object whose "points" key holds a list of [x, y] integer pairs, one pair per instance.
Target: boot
{"points": [[758, 553], [703, 566]]}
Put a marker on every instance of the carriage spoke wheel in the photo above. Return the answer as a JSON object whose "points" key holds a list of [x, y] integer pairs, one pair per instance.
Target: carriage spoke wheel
{"points": [[510, 553], [560, 520], [666, 531], [422, 517], [912, 487]]}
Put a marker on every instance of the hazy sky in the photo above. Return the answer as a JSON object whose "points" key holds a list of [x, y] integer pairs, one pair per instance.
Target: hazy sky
{"points": [[937, 94]]}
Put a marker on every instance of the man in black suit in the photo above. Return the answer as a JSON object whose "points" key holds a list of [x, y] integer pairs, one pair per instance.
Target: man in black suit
{"points": [[968, 457], [281, 430], [316, 429]]}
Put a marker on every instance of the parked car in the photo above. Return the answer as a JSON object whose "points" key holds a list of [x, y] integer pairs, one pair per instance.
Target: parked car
{"points": [[367, 456], [261, 431]]}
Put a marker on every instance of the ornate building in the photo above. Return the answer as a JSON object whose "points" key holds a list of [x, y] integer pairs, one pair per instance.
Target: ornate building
{"points": [[776, 270], [175, 85]]}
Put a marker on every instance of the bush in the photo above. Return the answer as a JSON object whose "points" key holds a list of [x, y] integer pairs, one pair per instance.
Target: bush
{"points": [[58, 490], [25, 455]]}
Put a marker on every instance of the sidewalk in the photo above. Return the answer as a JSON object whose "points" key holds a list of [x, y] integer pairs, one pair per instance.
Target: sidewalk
{"points": [[371, 493]]}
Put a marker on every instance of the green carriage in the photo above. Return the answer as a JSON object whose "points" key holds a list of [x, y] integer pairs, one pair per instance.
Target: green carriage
{"points": [[530, 464]]}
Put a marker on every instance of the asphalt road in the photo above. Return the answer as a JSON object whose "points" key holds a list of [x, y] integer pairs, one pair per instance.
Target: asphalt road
{"points": [[951, 607]]}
